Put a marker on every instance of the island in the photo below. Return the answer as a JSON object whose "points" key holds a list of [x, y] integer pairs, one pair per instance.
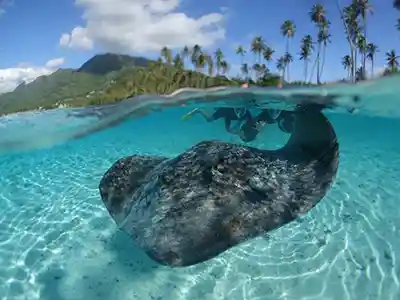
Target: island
{"points": [[108, 78]]}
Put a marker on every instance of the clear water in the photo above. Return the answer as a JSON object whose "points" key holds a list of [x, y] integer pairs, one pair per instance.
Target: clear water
{"points": [[58, 242]]}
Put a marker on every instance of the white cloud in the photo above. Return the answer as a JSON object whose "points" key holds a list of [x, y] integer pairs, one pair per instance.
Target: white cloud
{"points": [[3, 4], [10, 78], [55, 63], [141, 26], [78, 39]]}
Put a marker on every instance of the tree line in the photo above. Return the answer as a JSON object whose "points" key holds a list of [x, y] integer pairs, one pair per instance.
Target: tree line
{"points": [[312, 49]]}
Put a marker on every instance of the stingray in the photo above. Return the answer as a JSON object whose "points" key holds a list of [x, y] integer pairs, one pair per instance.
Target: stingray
{"points": [[188, 209]]}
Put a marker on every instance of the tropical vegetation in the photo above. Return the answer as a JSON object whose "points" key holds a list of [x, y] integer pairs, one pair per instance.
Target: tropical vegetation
{"points": [[105, 78], [311, 51], [108, 78]]}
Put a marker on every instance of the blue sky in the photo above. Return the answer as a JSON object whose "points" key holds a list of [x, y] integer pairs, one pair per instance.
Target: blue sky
{"points": [[30, 33]]}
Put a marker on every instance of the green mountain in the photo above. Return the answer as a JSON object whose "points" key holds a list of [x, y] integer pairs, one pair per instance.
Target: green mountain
{"points": [[68, 85], [105, 63], [45, 91], [105, 78]]}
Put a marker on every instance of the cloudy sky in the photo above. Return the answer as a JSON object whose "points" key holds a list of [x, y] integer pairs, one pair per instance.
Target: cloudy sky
{"points": [[37, 37]]}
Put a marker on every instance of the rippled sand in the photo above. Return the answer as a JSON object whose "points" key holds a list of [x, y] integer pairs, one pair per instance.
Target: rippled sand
{"points": [[57, 241]]}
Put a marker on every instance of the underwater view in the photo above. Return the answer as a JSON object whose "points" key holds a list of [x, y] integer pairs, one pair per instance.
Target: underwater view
{"points": [[168, 150], [58, 240]]}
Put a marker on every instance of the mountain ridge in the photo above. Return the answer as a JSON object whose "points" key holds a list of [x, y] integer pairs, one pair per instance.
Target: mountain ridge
{"points": [[104, 78]]}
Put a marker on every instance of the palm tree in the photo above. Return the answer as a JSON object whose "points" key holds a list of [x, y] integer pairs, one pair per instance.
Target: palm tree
{"points": [[360, 74], [281, 66], [267, 54], [347, 64], [263, 70], [195, 54], [324, 37], [352, 31], [306, 49], [241, 52], [317, 13], [245, 70], [159, 64], [363, 7], [167, 55], [392, 60], [362, 48], [318, 17], [219, 57], [354, 17], [200, 62], [178, 62], [210, 64], [256, 68], [224, 67], [288, 58], [288, 30], [257, 47], [185, 53], [372, 49], [260, 70]]}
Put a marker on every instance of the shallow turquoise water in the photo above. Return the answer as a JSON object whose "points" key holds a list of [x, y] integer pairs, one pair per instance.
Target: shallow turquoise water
{"points": [[58, 242]]}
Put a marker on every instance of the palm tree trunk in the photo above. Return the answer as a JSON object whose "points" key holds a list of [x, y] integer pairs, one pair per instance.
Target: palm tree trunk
{"points": [[372, 66], [323, 60], [241, 65], [252, 68], [305, 69], [364, 63], [287, 65], [364, 60], [313, 68], [318, 63], [366, 42], [352, 73], [355, 65], [349, 40]]}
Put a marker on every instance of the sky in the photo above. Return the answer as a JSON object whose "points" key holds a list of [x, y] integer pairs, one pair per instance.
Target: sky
{"points": [[38, 37]]}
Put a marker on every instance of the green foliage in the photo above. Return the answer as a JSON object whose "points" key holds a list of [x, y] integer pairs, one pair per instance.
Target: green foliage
{"points": [[99, 82], [269, 80], [389, 71], [103, 64], [108, 78], [62, 86], [162, 79]]}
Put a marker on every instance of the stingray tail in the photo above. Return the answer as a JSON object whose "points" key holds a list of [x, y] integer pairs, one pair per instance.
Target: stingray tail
{"points": [[189, 114]]}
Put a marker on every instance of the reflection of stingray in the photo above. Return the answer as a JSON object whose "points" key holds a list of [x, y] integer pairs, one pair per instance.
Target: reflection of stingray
{"points": [[188, 209]]}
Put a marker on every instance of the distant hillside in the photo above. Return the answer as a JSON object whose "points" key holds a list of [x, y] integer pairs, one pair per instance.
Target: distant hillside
{"points": [[45, 91], [104, 79], [102, 64], [66, 85]]}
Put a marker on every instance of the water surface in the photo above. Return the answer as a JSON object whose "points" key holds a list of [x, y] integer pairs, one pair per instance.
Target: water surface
{"points": [[58, 242]]}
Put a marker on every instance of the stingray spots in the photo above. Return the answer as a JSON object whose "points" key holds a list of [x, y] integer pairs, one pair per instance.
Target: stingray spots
{"points": [[191, 208]]}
